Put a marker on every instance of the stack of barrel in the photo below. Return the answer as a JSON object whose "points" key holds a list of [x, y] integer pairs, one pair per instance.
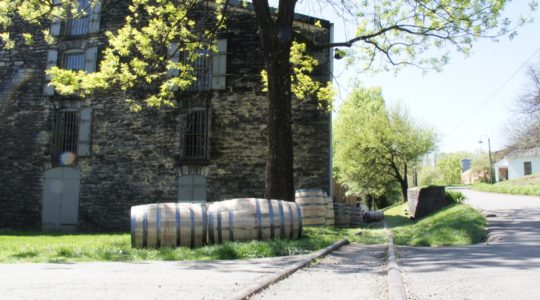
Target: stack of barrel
{"points": [[351, 216], [195, 225], [317, 208]]}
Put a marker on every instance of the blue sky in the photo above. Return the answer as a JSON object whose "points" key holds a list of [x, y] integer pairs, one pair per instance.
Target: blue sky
{"points": [[472, 97]]}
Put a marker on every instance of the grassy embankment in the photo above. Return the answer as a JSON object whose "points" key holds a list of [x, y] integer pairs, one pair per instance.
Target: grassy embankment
{"points": [[528, 185], [456, 224]]}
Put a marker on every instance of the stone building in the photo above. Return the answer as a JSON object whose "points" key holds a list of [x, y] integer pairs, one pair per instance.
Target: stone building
{"points": [[68, 163]]}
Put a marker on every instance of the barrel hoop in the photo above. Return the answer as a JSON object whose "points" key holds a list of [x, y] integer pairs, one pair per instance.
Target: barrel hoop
{"points": [[271, 213], [281, 220], [133, 224], [291, 217], [178, 232], [204, 227], [259, 225], [309, 190], [211, 225], [145, 227], [192, 217], [219, 234], [158, 225], [231, 224], [299, 211]]}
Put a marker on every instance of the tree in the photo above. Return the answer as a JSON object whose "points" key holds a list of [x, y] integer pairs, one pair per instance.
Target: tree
{"points": [[375, 146], [449, 166], [525, 130], [398, 32]]}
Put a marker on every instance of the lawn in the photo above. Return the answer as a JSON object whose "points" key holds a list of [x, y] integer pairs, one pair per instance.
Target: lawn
{"points": [[527, 185], [38, 247], [456, 224]]}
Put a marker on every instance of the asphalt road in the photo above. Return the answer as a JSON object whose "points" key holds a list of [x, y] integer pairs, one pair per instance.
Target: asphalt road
{"points": [[352, 272], [147, 280], [507, 267]]}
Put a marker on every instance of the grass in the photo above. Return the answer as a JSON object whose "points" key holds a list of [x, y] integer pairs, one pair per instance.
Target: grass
{"points": [[456, 224], [37, 247], [527, 185]]}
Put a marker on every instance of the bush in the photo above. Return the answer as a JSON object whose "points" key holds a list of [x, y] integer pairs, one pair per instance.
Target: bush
{"points": [[454, 197]]}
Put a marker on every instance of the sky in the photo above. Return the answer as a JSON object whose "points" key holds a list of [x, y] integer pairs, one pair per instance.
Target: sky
{"points": [[472, 98]]}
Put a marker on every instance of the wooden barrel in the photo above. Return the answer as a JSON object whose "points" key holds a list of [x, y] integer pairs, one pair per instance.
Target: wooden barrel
{"points": [[253, 219], [313, 205], [374, 216], [342, 213], [168, 225], [329, 218], [357, 217]]}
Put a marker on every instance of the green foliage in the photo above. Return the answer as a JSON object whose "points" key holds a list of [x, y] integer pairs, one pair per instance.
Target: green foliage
{"points": [[428, 175], [533, 189], [374, 146], [449, 167], [40, 247], [303, 85], [480, 166], [454, 196], [457, 224]]}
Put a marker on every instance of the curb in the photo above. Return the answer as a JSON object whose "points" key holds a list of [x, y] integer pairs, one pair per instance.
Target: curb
{"points": [[282, 274], [396, 290]]}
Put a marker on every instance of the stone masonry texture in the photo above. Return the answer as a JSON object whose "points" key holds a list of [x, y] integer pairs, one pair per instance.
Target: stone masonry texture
{"points": [[135, 157]]}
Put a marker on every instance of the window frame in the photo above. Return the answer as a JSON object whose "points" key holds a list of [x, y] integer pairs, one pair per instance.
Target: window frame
{"points": [[527, 168], [185, 156], [82, 19], [65, 136], [73, 52]]}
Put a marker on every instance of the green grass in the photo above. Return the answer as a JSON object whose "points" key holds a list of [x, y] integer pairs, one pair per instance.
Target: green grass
{"points": [[456, 224], [38, 247], [528, 185]]}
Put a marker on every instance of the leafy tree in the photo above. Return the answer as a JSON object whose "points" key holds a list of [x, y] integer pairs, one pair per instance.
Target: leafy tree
{"points": [[480, 166], [398, 32], [525, 129], [375, 146], [449, 167]]}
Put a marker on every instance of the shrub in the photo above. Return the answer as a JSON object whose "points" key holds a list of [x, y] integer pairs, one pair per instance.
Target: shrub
{"points": [[454, 197]]}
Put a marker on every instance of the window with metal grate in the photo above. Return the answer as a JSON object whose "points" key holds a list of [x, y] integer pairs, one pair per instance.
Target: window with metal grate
{"points": [[78, 24], [74, 61], [194, 141], [65, 138], [202, 68]]}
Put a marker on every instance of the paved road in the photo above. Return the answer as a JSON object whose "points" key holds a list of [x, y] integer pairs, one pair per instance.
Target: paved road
{"points": [[148, 280], [507, 267], [352, 272]]}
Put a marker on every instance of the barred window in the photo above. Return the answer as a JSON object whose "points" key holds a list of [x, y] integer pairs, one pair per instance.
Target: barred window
{"points": [[78, 25], [527, 168], [194, 135], [65, 138], [202, 68], [74, 61]]}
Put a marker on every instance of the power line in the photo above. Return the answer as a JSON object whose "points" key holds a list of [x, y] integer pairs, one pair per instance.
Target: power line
{"points": [[495, 92]]}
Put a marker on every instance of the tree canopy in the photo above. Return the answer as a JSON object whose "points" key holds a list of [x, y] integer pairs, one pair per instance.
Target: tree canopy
{"points": [[375, 145], [137, 56]]}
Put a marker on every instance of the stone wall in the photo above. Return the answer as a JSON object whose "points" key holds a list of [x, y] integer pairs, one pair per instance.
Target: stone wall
{"points": [[135, 157], [425, 201]]}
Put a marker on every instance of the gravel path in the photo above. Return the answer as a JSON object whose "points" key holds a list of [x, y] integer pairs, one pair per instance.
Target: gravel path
{"points": [[507, 267], [148, 280], [353, 272]]}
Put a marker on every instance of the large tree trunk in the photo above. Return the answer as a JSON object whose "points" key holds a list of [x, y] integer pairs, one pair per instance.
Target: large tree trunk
{"points": [[276, 40], [403, 182]]}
